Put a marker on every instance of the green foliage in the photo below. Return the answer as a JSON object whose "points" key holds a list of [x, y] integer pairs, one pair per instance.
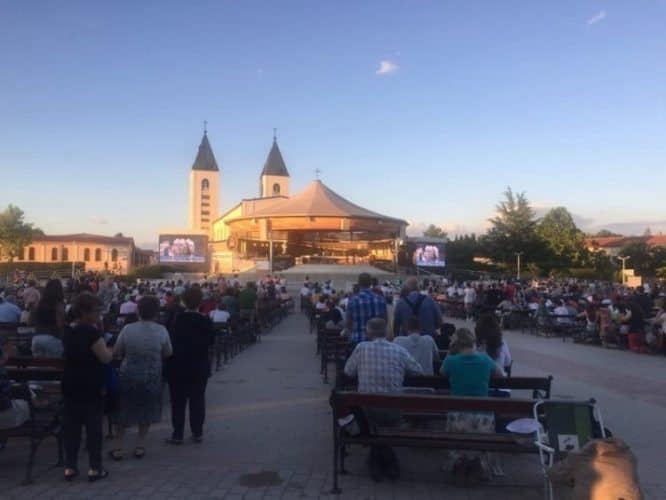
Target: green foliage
{"points": [[15, 233], [513, 230], [645, 260], [640, 259], [433, 231], [462, 249], [561, 238]]}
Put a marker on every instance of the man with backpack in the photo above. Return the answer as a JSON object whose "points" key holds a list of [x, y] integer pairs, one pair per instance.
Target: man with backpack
{"points": [[416, 304]]}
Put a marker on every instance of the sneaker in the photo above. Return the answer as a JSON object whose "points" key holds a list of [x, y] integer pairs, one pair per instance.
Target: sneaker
{"points": [[197, 439]]}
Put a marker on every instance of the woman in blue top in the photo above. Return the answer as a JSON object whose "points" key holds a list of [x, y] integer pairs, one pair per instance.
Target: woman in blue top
{"points": [[469, 374]]}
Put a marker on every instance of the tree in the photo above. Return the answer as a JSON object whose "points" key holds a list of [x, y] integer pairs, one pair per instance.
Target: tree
{"points": [[640, 258], [433, 231], [562, 238], [513, 230], [462, 250], [15, 234]]}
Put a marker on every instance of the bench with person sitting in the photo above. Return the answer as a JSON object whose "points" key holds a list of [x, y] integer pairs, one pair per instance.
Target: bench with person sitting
{"points": [[30, 402], [469, 415]]}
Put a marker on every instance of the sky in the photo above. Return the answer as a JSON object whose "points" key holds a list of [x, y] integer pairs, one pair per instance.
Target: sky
{"points": [[424, 110]]}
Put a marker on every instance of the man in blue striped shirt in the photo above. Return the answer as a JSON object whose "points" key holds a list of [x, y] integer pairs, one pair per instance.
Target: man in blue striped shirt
{"points": [[362, 307]]}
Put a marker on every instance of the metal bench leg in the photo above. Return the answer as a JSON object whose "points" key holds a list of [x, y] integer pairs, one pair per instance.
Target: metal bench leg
{"points": [[336, 455], [34, 444]]}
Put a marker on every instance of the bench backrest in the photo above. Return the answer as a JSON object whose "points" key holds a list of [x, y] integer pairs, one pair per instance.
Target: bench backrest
{"points": [[540, 386], [341, 401]]}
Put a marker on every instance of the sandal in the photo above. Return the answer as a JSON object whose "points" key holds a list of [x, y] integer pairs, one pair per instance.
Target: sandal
{"points": [[139, 452], [116, 455], [100, 474], [71, 475]]}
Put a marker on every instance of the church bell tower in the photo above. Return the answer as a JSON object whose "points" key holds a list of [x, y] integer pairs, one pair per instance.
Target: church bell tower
{"points": [[274, 179], [204, 188]]}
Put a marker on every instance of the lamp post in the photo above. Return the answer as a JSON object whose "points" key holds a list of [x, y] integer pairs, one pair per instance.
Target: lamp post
{"points": [[623, 259], [518, 254]]}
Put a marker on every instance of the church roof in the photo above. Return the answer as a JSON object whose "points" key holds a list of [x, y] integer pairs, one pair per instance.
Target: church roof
{"points": [[205, 159], [274, 163], [318, 200]]}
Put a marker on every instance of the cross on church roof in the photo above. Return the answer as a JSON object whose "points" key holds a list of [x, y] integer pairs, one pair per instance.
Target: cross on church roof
{"points": [[317, 172]]}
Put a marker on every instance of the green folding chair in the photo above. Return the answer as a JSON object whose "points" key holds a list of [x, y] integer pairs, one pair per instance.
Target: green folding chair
{"points": [[568, 426]]}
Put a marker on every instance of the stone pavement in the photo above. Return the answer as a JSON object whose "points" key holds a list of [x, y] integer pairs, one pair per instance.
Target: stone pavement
{"points": [[268, 432]]}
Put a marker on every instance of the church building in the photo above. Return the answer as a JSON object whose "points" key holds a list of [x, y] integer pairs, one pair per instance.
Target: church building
{"points": [[314, 225]]}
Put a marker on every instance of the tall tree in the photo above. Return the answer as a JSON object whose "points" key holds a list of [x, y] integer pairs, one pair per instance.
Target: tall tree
{"points": [[561, 237], [640, 258], [433, 231], [513, 230], [15, 233]]}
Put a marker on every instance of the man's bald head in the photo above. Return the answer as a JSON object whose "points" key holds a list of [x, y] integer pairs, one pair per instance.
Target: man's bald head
{"points": [[376, 328], [412, 284]]}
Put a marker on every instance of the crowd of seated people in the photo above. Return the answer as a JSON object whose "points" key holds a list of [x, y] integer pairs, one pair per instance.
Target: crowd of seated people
{"points": [[599, 312]]}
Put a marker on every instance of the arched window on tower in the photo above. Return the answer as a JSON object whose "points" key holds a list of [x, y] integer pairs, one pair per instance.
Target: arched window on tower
{"points": [[205, 185], [276, 189]]}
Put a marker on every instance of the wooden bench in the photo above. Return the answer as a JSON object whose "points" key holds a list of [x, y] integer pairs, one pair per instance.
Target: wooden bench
{"points": [[45, 412], [334, 349], [435, 407], [540, 386]]}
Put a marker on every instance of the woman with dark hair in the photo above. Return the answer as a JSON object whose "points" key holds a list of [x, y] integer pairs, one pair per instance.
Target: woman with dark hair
{"points": [[83, 384], [142, 346], [48, 318], [489, 338], [189, 368]]}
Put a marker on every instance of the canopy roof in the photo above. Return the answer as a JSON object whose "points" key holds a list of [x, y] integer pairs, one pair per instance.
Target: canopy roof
{"points": [[317, 200]]}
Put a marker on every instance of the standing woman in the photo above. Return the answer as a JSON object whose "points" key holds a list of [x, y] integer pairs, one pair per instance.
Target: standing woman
{"points": [[489, 339], [142, 346], [48, 318], [189, 367], [83, 383]]}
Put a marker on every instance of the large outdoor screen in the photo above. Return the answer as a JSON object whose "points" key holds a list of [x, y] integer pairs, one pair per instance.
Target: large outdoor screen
{"points": [[183, 248], [429, 254]]}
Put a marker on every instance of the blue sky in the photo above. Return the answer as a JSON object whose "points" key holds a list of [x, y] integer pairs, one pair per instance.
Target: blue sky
{"points": [[424, 110]]}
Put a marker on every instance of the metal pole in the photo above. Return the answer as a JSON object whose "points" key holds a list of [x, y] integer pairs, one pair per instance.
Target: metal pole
{"points": [[623, 259], [270, 252], [518, 254]]}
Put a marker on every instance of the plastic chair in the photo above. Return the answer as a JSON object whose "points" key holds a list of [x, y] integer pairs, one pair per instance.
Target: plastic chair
{"points": [[569, 425]]}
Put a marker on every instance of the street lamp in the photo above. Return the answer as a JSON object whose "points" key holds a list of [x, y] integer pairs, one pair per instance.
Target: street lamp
{"points": [[623, 259], [518, 254]]}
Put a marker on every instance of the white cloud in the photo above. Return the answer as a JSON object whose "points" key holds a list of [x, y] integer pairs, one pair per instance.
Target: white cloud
{"points": [[99, 220], [386, 67], [597, 18]]}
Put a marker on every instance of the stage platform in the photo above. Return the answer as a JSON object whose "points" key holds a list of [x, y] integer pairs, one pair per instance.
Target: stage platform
{"points": [[342, 275]]}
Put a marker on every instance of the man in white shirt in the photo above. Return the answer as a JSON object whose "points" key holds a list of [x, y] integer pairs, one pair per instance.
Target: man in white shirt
{"points": [[129, 306], [220, 314], [469, 297]]}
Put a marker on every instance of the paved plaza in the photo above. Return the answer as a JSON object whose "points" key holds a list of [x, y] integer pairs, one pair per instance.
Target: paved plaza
{"points": [[268, 432]]}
